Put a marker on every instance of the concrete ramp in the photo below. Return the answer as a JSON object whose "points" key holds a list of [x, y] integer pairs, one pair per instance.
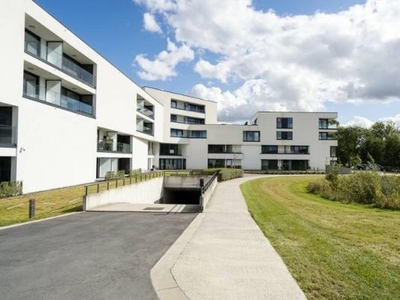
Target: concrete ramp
{"points": [[148, 208]]}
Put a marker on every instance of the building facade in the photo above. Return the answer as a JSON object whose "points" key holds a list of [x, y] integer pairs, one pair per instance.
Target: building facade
{"points": [[68, 116]]}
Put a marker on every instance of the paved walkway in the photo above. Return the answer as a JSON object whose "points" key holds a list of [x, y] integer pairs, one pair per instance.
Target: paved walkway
{"points": [[224, 255]]}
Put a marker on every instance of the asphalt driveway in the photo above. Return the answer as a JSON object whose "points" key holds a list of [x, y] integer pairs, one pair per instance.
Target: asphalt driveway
{"points": [[87, 255]]}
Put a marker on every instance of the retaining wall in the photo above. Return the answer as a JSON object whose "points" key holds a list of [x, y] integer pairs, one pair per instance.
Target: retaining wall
{"points": [[146, 192]]}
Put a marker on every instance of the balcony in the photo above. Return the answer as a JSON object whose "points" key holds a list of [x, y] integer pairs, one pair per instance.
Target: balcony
{"points": [[111, 146], [147, 112], [59, 61], [8, 135], [40, 93], [144, 129]]}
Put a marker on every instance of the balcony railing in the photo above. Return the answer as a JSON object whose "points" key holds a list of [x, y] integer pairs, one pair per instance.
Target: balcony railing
{"points": [[147, 112], [145, 129], [61, 62], [41, 93], [8, 135], [111, 146]]}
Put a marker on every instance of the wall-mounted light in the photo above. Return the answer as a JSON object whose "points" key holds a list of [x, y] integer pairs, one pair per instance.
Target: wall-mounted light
{"points": [[32, 27], [22, 149]]}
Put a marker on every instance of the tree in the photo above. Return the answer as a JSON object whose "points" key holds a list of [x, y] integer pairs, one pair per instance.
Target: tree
{"points": [[350, 140]]}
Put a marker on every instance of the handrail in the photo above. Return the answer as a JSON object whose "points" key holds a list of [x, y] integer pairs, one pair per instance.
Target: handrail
{"points": [[115, 183]]}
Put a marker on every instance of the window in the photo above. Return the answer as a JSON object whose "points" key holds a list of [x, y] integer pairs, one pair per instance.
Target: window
{"points": [[216, 163], [172, 164], [174, 118], [194, 107], [174, 104], [333, 151], [190, 120], [284, 123], [32, 43], [31, 85], [326, 136], [169, 149], [284, 135], [220, 149], [176, 133], [269, 149], [327, 124], [299, 149], [251, 136], [198, 134], [269, 164]]}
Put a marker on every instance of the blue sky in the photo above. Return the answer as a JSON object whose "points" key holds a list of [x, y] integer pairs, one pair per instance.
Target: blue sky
{"points": [[306, 55]]}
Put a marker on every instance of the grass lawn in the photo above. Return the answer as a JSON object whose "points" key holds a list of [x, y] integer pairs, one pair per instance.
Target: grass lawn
{"points": [[58, 201], [333, 250]]}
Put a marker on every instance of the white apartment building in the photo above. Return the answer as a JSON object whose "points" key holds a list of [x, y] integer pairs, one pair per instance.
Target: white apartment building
{"points": [[67, 116]]}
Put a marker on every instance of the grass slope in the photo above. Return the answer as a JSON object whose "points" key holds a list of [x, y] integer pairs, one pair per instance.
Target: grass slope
{"points": [[333, 250]]}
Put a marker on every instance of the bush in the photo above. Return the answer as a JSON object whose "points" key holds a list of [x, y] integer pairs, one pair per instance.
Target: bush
{"points": [[362, 187], [227, 174], [111, 175], [135, 172], [9, 189]]}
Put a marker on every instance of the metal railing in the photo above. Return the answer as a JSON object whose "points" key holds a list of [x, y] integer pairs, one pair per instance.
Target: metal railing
{"points": [[60, 61], [108, 146], [145, 129], [147, 112], [98, 187], [41, 93]]}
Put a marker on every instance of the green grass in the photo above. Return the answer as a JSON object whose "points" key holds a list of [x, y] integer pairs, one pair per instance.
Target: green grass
{"points": [[333, 250], [58, 201], [48, 203]]}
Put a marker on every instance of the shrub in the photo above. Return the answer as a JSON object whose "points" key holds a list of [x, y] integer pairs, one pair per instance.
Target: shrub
{"points": [[9, 189], [362, 187], [135, 172], [227, 174]]}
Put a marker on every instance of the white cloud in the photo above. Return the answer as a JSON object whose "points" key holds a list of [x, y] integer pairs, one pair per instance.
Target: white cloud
{"points": [[302, 61], [359, 121], [164, 64], [150, 23], [157, 5]]}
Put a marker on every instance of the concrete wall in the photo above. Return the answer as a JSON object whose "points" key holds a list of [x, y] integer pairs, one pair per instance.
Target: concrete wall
{"points": [[208, 194], [146, 192]]}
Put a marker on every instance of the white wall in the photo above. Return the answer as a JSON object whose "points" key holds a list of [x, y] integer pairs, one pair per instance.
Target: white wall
{"points": [[59, 147]]}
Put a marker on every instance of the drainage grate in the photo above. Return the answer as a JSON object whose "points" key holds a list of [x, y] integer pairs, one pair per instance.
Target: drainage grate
{"points": [[153, 208]]}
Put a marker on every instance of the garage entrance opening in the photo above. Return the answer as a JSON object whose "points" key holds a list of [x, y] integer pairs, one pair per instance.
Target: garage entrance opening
{"points": [[183, 189]]}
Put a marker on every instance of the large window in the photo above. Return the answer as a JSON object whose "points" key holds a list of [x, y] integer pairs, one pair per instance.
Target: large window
{"points": [[194, 107], [284, 123], [269, 149], [190, 120], [172, 164], [251, 136], [174, 118], [169, 149], [216, 163], [31, 85], [299, 149], [174, 104], [284, 135], [327, 124], [32, 43], [269, 164], [333, 151], [5, 168], [327, 136], [220, 149], [198, 134], [176, 132]]}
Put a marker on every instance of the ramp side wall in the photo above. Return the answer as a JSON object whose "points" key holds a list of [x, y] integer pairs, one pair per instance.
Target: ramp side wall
{"points": [[146, 192]]}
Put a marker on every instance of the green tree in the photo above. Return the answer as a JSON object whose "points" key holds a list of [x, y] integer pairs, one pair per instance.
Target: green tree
{"points": [[350, 141]]}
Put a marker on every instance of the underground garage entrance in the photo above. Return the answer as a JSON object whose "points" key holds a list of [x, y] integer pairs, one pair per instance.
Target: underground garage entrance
{"points": [[183, 190]]}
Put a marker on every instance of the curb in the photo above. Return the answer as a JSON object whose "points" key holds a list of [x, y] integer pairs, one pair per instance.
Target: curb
{"points": [[161, 274]]}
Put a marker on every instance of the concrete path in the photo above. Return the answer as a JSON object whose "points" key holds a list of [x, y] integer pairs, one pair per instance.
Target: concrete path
{"points": [[224, 255]]}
